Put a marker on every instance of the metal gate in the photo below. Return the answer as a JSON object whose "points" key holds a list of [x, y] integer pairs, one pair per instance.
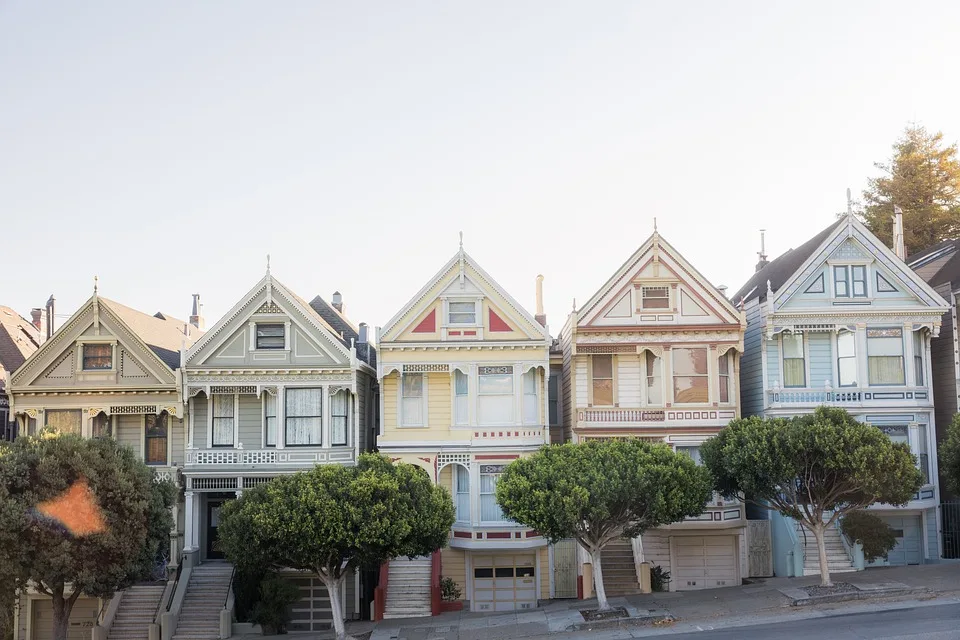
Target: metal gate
{"points": [[565, 569], [759, 549], [950, 521]]}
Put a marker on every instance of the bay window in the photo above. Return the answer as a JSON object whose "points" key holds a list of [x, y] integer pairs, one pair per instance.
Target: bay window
{"points": [[923, 456], [654, 376], [339, 417], [847, 359], [461, 396], [270, 418], [461, 489], [102, 426], [411, 400], [690, 382], [794, 365], [495, 395], [303, 416], [155, 436], [489, 509], [918, 349], [885, 356], [723, 369], [692, 452], [64, 420], [531, 398], [602, 380], [224, 410]]}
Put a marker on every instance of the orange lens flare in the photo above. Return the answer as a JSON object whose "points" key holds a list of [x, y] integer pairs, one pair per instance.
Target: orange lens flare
{"points": [[76, 509]]}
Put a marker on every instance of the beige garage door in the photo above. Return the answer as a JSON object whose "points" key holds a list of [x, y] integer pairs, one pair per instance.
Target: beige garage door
{"points": [[504, 583], [704, 562], [82, 619]]}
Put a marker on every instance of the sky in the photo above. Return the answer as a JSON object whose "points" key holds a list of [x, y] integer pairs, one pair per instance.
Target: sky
{"points": [[168, 147]]}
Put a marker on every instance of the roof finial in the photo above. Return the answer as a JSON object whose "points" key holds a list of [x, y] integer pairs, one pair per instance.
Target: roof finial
{"points": [[654, 224], [95, 284], [574, 304], [268, 264], [849, 203], [461, 241], [461, 260]]}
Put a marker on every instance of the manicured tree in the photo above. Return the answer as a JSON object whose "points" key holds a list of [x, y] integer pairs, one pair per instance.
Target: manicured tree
{"points": [[597, 492], [334, 519], [950, 456], [73, 512], [875, 536], [809, 465]]}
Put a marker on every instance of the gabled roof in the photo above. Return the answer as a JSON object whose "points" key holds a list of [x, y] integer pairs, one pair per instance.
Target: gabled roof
{"points": [[19, 339], [950, 270], [342, 326], [782, 268], [164, 335]]}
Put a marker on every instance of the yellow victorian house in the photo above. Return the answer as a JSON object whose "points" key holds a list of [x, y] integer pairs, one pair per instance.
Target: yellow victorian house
{"points": [[463, 371]]}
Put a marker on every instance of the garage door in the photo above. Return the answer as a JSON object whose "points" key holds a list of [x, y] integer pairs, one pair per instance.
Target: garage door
{"points": [[908, 549], [704, 562], [312, 612], [82, 619], [504, 583]]}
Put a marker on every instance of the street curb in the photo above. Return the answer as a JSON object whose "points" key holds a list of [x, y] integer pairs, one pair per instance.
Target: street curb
{"points": [[799, 598], [622, 623]]}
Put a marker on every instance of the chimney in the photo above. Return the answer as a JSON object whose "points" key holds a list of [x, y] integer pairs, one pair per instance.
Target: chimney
{"points": [[541, 317], [337, 302], [723, 290], [196, 319], [39, 320], [364, 333], [762, 253], [51, 303], [898, 245]]}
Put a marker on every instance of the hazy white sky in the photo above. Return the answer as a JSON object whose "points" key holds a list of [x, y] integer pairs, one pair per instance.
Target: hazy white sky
{"points": [[169, 146]]}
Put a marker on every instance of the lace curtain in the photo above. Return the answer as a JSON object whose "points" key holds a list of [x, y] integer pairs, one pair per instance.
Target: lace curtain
{"points": [[339, 412], [463, 493], [270, 417], [61, 421], [303, 416], [223, 420]]}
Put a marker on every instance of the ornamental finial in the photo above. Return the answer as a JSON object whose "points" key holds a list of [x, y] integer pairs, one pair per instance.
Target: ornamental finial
{"points": [[654, 224], [268, 264], [95, 284], [461, 241]]}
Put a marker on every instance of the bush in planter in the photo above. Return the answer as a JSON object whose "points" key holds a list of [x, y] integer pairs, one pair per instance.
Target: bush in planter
{"points": [[449, 590], [274, 608], [659, 579], [876, 536]]}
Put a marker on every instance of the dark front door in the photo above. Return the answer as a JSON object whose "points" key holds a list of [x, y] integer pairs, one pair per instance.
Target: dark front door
{"points": [[213, 521]]}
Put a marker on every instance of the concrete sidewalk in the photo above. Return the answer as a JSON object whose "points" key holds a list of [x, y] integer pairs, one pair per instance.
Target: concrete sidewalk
{"points": [[700, 608]]}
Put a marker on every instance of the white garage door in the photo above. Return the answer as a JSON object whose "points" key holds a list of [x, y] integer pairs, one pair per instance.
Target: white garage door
{"points": [[313, 611], [504, 583], [704, 562], [908, 549], [82, 619]]}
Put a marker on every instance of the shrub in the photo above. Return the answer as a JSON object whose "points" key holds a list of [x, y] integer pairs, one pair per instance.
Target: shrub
{"points": [[246, 591], [876, 536], [272, 612], [659, 579], [449, 589]]}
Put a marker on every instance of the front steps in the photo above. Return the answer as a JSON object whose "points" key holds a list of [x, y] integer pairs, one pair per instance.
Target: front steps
{"points": [[408, 588], [619, 569], [838, 560], [138, 607], [207, 591]]}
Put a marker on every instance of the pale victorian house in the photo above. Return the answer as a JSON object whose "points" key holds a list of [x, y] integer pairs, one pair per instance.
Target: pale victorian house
{"points": [[842, 321], [276, 386], [463, 373], [109, 371], [654, 354]]}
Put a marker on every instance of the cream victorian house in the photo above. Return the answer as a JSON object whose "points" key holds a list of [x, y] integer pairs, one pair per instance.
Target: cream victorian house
{"points": [[655, 354], [463, 370]]}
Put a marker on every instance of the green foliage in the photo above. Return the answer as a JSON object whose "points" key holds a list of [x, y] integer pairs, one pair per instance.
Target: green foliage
{"points": [[950, 456], [38, 469], [163, 494], [659, 579], [876, 536], [449, 589], [923, 179], [274, 605], [246, 591], [599, 491]]}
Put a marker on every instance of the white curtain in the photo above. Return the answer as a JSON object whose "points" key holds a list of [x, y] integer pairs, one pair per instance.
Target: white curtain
{"points": [[270, 415], [463, 494], [303, 416], [223, 410], [495, 404], [654, 380], [885, 356], [531, 398], [411, 391], [339, 408], [64, 420], [489, 509], [461, 398]]}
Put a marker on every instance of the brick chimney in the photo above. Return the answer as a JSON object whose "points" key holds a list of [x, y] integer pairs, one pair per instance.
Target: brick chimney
{"points": [[196, 319], [39, 319], [337, 302]]}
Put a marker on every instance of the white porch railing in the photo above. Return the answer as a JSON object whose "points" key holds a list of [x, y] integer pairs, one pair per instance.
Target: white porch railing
{"points": [[289, 457], [845, 396]]}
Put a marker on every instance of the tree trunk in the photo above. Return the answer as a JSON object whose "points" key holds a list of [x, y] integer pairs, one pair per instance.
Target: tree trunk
{"points": [[336, 607], [61, 615], [602, 604], [818, 532]]}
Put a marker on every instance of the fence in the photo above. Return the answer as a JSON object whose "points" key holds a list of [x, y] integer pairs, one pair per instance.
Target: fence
{"points": [[950, 523]]}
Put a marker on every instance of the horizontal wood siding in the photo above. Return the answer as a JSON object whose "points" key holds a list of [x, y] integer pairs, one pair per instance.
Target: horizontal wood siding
{"points": [[250, 422], [581, 380], [453, 565], [773, 363], [945, 386], [751, 364], [130, 433], [363, 392], [177, 437], [438, 398], [656, 549], [821, 360], [544, 569], [200, 429], [628, 380], [388, 391], [566, 388]]}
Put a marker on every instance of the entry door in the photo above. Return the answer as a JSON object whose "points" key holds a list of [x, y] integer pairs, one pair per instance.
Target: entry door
{"points": [[213, 521]]}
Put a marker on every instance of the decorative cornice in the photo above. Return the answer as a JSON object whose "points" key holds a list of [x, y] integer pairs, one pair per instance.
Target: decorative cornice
{"points": [[238, 379]]}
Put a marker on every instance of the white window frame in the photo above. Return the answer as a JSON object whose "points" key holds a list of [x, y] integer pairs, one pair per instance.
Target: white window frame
{"points": [[530, 400], [919, 351], [507, 371], [167, 437], [347, 418], [276, 418], [728, 360], [405, 421], [805, 358], [674, 375], [849, 281], [645, 379], [283, 336], [903, 356], [477, 312], [503, 519], [461, 514], [211, 420], [644, 298], [853, 337], [324, 403], [460, 401]]}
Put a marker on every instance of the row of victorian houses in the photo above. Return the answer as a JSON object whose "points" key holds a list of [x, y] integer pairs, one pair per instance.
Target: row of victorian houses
{"points": [[463, 380]]}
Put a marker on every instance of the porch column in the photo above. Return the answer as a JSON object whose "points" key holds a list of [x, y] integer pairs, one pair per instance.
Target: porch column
{"points": [[189, 525]]}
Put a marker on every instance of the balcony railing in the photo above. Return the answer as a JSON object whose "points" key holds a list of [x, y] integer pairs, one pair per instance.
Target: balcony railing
{"points": [[292, 458], [845, 396], [631, 415]]}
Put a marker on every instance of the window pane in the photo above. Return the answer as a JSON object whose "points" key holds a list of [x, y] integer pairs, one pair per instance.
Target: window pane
{"points": [[792, 345], [840, 282], [689, 389], [531, 399], [724, 365], [303, 416], [885, 369], [489, 509], [463, 312], [97, 356], [64, 421], [846, 344], [462, 307], [687, 362], [270, 416], [462, 488], [156, 451], [498, 383], [412, 412], [848, 371], [461, 392], [339, 416], [885, 346], [223, 410], [654, 380], [691, 452], [303, 431], [724, 389], [602, 392], [270, 336], [223, 406], [918, 351], [156, 438], [460, 383], [412, 385], [602, 366], [655, 297], [156, 425], [794, 373], [495, 409]]}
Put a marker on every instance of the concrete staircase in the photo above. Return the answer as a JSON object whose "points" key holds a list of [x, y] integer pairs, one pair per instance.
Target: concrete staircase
{"points": [[206, 593], [838, 560], [619, 569], [138, 606], [408, 588]]}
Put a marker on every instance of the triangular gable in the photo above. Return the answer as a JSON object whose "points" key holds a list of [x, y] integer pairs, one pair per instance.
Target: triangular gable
{"points": [[461, 275], [55, 364], [657, 264], [853, 241], [311, 338]]}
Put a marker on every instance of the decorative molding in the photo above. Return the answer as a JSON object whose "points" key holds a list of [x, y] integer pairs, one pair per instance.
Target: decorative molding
{"points": [[641, 337], [253, 379]]}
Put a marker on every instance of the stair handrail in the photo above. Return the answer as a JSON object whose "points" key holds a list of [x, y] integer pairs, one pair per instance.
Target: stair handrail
{"points": [[853, 548], [229, 587], [169, 599]]}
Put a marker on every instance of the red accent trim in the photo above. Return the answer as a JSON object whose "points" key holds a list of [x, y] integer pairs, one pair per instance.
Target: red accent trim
{"points": [[646, 328], [453, 605], [579, 587], [496, 322], [532, 533], [428, 324], [463, 534], [435, 571], [453, 333], [498, 535], [469, 333], [380, 593], [499, 456]]}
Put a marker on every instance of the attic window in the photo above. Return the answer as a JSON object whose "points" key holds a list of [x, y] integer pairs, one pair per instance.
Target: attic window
{"points": [[270, 336], [463, 313], [97, 357], [655, 297]]}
